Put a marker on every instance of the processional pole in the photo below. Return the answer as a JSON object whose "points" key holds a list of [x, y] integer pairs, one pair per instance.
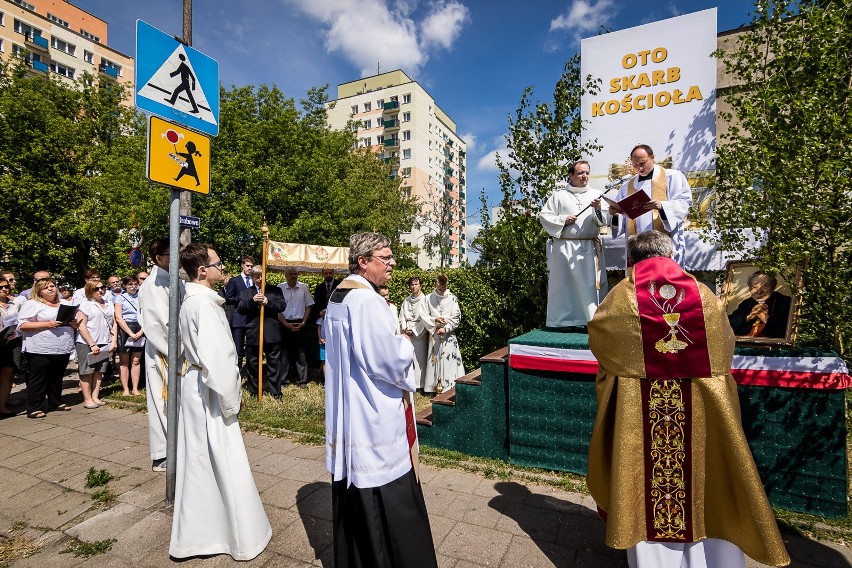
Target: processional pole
{"points": [[265, 230]]}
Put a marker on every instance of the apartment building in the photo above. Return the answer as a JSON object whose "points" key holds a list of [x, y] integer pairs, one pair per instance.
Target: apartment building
{"points": [[399, 121], [58, 38]]}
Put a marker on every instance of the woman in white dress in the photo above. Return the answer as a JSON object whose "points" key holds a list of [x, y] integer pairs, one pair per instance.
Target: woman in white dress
{"points": [[97, 333]]}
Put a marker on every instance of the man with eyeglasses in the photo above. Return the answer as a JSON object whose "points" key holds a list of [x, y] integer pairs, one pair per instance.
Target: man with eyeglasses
{"points": [[294, 319], [576, 272], [154, 319], [217, 508], [670, 200], [379, 514], [113, 288]]}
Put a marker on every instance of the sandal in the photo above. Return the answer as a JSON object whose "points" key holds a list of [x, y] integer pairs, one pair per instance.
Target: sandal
{"points": [[91, 406], [61, 408], [37, 414]]}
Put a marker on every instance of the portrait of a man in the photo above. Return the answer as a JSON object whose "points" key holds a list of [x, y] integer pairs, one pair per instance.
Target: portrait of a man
{"points": [[760, 305]]}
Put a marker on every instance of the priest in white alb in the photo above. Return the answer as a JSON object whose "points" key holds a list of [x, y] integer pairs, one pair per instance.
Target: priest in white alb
{"points": [[378, 511], [576, 282], [411, 323], [670, 200], [217, 508], [154, 319], [443, 316]]}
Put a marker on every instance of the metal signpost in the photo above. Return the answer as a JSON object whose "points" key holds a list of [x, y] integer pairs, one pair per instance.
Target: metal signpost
{"points": [[180, 84]]}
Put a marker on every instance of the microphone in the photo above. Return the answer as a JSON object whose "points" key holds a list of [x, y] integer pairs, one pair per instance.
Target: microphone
{"points": [[618, 182]]}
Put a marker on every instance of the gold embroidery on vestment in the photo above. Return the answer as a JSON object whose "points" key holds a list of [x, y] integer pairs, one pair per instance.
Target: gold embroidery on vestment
{"points": [[667, 418]]}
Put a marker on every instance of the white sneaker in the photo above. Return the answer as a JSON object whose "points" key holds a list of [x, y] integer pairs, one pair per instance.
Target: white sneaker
{"points": [[158, 465]]}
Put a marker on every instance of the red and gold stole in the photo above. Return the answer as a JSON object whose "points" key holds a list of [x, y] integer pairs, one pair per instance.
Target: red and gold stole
{"points": [[674, 346]]}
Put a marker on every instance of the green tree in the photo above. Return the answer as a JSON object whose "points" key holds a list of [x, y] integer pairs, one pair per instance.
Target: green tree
{"points": [[276, 163], [784, 165], [544, 139], [71, 164]]}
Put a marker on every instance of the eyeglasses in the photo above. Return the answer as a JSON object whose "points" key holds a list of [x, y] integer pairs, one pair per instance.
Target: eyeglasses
{"points": [[99, 288], [386, 260], [5, 287], [218, 265]]}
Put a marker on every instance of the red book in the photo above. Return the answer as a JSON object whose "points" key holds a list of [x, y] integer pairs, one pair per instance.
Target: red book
{"points": [[632, 205]]}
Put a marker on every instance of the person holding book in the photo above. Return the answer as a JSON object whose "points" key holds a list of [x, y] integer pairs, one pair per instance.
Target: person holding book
{"points": [[576, 280], [670, 198], [48, 340]]}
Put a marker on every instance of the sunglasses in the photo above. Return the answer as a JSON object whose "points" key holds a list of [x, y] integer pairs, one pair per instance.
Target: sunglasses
{"points": [[5, 287], [97, 288]]}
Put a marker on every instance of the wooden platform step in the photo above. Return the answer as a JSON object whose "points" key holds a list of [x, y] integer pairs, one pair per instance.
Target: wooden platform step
{"points": [[448, 398], [472, 378]]}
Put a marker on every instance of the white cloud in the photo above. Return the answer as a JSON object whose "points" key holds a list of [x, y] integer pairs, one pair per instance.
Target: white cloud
{"points": [[383, 31], [584, 16], [469, 141], [488, 162], [444, 24], [471, 231]]}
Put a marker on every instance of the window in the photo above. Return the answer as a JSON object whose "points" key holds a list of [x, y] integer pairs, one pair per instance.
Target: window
{"points": [[26, 5], [59, 21], [406, 117], [63, 46], [406, 172], [406, 135], [90, 36], [368, 107], [1, 19], [25, 29], [380, 104], [430, 127], [366, 141], [355, 144], [368, 123], [88, 56], [1, 45], [406, 154], [406, 99], [354, 109], [107, 63], [63, 70], [380, 139]]}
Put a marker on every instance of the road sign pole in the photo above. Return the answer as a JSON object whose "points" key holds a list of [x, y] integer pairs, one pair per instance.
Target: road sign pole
{"points": [[186, 197], [172, 373]]}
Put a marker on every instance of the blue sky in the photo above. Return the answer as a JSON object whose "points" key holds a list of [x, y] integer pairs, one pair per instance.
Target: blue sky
{"points": [[474, 57]]}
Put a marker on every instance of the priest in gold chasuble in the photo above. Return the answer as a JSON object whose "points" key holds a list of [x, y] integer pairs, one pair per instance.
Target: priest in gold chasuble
{"points": [[669, 465]]}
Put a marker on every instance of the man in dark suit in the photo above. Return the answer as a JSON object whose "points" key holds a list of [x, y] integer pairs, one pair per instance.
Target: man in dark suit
{"points": [[273, 301], [323, 292], [233, 289]]}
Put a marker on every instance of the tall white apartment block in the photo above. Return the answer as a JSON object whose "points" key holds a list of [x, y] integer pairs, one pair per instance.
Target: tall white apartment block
{"points": [[399, 121]]}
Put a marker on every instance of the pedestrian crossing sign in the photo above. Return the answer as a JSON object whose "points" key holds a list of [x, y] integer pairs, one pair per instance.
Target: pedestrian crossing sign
{"points": [[175, 81], [177, 156]]}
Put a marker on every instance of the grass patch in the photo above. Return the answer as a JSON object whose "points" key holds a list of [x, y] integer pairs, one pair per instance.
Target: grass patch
{"points": [[103, 497], [97, 478], [299, 410], [113, 392], [83, 549]]}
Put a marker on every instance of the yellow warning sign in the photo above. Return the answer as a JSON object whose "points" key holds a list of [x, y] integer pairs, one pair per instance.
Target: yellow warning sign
{"points": [[177, 156]]}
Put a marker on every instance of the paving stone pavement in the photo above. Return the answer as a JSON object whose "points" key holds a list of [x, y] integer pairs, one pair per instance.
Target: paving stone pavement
{"points": [[475, 521]]}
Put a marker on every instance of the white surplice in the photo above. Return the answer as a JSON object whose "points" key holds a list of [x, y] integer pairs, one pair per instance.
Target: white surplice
{"points": [[576, 280], [444, 365], [368, 370], [707, 553], [410, 318], [154, 320], [676, 208], [217, 508]]}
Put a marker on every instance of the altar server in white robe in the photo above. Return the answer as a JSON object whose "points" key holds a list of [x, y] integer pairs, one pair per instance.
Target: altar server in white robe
{"points": [[379, 514], [576, 281], [411, 323], [442, 318], [217, 508], [154, 319], [671, 198]]}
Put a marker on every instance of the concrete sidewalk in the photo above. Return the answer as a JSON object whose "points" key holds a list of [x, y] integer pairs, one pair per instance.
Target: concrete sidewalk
{"points": [[475, 521]]}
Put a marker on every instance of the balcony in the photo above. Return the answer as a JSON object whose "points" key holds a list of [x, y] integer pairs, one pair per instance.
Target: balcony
{"points": [[108, 71], [391, 142], [37, 42], [391, 106], [391, 123], [462, 153], [39, 66], [461, 194], [461, 180], [448, 172], [393, 160]]}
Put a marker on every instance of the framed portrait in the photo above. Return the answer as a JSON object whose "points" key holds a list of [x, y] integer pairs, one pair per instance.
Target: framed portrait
{"points": [[762, 308]]}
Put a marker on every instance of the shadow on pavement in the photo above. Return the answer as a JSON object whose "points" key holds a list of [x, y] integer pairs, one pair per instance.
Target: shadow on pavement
{"points": [[314, 504]]}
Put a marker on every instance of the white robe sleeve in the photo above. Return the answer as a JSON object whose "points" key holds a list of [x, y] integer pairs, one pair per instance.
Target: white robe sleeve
{"points": [[620, 220], [453, 318], [549, 216], [217, 354], [679, 200], [377, 348]]}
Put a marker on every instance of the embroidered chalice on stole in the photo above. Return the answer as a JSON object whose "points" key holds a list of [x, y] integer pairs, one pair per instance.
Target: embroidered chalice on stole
{"points": [[670, 343]]}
